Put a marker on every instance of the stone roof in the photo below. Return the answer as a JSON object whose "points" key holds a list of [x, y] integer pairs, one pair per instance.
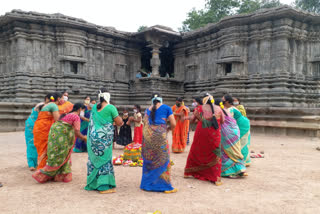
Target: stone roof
{"points": [[60, 20], [256, 17]]}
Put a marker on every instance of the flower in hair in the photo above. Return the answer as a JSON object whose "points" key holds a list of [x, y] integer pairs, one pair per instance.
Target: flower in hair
{"points": [[221, 105], [156, 95], [52, 98]]}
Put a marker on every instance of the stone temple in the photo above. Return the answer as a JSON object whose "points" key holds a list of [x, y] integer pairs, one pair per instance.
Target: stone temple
{"points": [[270, 59]]}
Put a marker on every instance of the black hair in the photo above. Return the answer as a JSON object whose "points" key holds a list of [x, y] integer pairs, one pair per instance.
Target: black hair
{"points": [[217, 102], [154, 107], [211, 104], [179, 99], [48, 97], [78, 106], [214, 121], [138, 107], [198, 100], [125, 109], [55, 96], [228, 98], [93, 99], [237, 99], [87, 97], [99, 106]]}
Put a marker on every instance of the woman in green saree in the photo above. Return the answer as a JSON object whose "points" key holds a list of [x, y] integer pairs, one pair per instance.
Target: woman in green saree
{"points": [[61, 140], [100, 173], [244, 126]]}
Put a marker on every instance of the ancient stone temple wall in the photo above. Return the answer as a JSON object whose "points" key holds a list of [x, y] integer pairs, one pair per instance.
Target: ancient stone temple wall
{"points": [[269, 59], [40, 54]]}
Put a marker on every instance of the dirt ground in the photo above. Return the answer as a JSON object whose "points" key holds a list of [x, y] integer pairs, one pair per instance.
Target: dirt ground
{"points": [[287, 180]]}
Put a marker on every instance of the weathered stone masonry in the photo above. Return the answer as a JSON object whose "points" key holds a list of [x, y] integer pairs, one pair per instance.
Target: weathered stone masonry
{"points": [[270, 59]]}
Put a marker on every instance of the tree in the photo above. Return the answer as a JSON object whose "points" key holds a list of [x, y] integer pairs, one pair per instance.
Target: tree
{"points": [[215, 10], [308, 5], [142, 28]]}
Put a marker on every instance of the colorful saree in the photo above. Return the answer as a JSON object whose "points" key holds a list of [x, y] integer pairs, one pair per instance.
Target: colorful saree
{"points": [[41, 132], [180, 134], [100, 175], [232, 159], [204, 162], [244, 126], [156, 159], [65, 107], [80, 145], [242, 110], [32, 155], [60, 144]]}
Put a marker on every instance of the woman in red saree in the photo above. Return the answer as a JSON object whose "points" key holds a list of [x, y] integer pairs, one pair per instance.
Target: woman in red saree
{"points": [[180, 133], [204, 159], [48, 114]]}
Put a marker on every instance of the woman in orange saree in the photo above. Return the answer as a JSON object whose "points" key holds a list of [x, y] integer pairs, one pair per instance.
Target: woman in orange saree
{"points": [[180, 133], [47, 116]]}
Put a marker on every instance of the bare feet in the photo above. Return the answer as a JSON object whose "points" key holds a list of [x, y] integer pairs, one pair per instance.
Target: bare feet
{"points": [[187, 176], [108, 191], [218, 183], [32, 169], [1, 184], [171, 191]]}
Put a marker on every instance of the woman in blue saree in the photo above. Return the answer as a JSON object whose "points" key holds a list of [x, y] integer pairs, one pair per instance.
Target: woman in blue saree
{"points": [[155, 148], [100, 174], [32, 155]]}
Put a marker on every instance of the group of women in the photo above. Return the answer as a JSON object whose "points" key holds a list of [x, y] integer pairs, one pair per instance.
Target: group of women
{"points": [[219, 148]]}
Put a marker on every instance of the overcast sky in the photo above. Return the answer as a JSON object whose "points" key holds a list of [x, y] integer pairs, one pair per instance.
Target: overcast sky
{"points": [[126, 15]]}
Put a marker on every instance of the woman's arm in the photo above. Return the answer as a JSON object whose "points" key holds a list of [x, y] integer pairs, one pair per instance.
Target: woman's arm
{"points": [[118, 121], [81, 136], [172, 122], [85, 119], [56, 115]]}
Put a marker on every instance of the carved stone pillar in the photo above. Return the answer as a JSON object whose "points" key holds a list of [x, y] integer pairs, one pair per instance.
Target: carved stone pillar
{"points": [[155, 60]]}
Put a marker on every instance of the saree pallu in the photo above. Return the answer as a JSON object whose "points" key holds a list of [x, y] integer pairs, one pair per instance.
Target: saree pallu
{"points": [[156, 160], [60, 144], [180, 133], [204, 159], [41, 131], [32, 155], [65, 107], [100, 174], [242, 110], [232, 159], [244, 126], [138, 134], [80, 145]]}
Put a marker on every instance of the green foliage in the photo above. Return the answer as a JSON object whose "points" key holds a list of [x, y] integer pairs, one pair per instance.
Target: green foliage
{"points": [[309, 5], [217, 9], [142, 28]]}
